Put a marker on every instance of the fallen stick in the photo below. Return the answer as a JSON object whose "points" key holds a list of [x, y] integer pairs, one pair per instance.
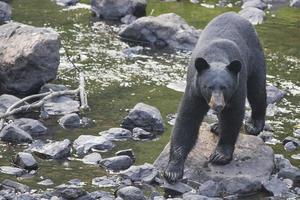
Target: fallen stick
{"points": [[82, 93]]}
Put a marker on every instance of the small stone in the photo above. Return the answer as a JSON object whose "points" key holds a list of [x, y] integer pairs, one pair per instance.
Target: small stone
{"points": [[85, 143], [255, 4], [128, 19], [26, 161], [46, 182], [276, 187], [71, 120], [6, 101], [138, 173], [93, 158], [189, 196], [144, 116], [131, 193], [31, 126], [12, 170], [116, 134], [15, 185], [210, 189], [266, 136], [126, 152], [140, 134], [68, 192], [66, 2], [76, 182], [281, 162], [5, 12], [291, 139], [178, 187], [297, 133], [54, 150], [274, 94], [253, 15], [292, 173], [105, 181], [290, 146], [12, 133], [101, 195], [117, 163]]}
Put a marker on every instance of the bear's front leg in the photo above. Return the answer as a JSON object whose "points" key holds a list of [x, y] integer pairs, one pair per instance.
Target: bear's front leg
{"points": [[230, 122], [184, 134]]}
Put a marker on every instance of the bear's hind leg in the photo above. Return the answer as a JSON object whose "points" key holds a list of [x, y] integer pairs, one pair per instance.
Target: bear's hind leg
{"points": [[230, 123], [257, 100]]}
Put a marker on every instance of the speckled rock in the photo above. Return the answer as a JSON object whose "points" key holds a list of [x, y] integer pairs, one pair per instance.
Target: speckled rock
{"points": [[26, 161], [84, 143]]}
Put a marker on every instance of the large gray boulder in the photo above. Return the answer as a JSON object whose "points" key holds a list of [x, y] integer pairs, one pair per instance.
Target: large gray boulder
{"points": [[29, 57], [116, 9], [166, 30], [144, 116], [252, 164], [295, 3], [254, 15], [5, 12]]}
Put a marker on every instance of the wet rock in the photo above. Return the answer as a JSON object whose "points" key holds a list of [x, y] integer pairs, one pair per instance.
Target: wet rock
{"points": [[105, 181], [93, 158], [54, 150], [295, 141], [295, 3], [131, 193], [12, 170], [292, 173], [254, 4], [67, 2], [61, 106], [253, 15], [166, 30], [33, 127], [275, 186], [253, 162], [141, 134], [144, 116], [116, 134], [30, 57], [68, 192], [70, 121], [84, 143], [290, 146], [26, 161], [101, 195], [274, 94], [128, 19], [6, 101], [12, 133], [19, 187], [5, 12], [117, 163], [210, 189], [46, 182], [115, 10], [140, 173], [52, 87], [126, 152], [178, 188]]}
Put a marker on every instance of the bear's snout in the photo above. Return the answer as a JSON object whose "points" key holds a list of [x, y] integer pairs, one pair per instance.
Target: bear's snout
{"points": [[217, 102]]}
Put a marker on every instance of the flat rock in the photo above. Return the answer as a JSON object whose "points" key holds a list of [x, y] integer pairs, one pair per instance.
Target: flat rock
{"points": [[144, 116], [139, 173], [92, 158], [252, 163], [66, 2], [5, 12], [101, 195], [85, 143], [126, 152], [26, 161], [253, 15], [117, 163], [141, 134], [12, 133], [178, 187], [189, 196], [46, 182], [68, 192], [276, 187], [29, 57], [274, 94], [254, 4], [105, 181], [115, 10], [19, 187], [131, 193], [61, 106], [116, 134], [295, 3], [12, 170], [166, 30], [33, 127], [6, 101], [53, 150], [71, 120]]}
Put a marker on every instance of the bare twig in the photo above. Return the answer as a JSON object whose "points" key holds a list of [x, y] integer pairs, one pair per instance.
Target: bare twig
{"points": [[82, 93]]}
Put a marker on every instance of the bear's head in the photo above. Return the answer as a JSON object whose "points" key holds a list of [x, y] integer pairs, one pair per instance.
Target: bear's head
{"points": [[217, 81]]}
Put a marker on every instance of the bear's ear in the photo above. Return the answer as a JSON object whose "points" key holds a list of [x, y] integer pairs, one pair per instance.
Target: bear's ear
{"points": [[235, 67], [201, 64]]}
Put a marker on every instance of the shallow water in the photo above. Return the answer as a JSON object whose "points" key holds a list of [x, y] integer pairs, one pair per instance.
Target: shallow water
{"points": [[116, 82]]}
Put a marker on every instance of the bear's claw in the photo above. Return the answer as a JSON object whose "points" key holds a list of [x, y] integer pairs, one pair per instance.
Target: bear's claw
{"points": [[254, 127], [214, 128], [173, 173], [222, 155]]}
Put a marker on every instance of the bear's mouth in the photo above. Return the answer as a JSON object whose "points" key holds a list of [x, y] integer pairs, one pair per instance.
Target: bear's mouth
{"points": [[217, 102]]}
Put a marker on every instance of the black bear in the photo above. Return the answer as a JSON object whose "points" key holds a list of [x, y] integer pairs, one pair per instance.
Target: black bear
{"points": [[227, 65]]}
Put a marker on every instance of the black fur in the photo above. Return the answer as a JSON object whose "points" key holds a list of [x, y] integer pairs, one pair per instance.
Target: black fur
{"points": [[228, 58]]}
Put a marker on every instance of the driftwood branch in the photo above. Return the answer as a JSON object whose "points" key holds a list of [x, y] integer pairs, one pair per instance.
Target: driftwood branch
{"points": [[82, 93]]}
